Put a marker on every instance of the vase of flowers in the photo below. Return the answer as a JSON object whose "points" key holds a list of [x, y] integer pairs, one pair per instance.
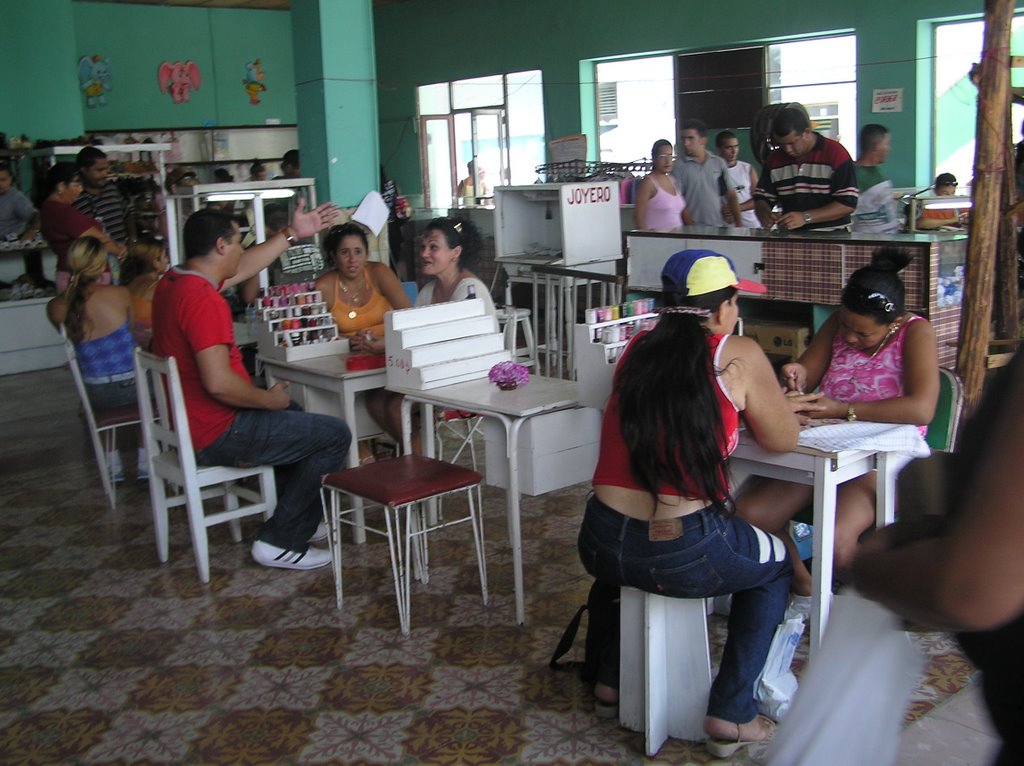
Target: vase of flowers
{"points": [[509, 375]]}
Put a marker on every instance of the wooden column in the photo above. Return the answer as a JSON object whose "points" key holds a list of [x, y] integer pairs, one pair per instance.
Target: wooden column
{"points": [[1007, 320], [989, 167]]}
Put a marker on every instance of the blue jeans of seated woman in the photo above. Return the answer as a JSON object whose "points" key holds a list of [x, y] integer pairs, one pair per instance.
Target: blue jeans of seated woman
{"points": [[716, 555]]}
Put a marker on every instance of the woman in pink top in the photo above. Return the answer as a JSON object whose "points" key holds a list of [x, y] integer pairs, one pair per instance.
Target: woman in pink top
{"points": [[659, 204], [873, 360]]}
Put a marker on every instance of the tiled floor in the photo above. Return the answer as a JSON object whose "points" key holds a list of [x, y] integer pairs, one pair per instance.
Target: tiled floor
{"points": [[108, 657]]}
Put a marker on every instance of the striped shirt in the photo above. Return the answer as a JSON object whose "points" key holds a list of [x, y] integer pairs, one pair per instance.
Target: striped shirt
{"points": [[825, 174], [109, 207]]}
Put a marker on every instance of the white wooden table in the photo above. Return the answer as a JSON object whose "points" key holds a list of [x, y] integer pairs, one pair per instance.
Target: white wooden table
{"points": [[824, 471], [512, 409]]}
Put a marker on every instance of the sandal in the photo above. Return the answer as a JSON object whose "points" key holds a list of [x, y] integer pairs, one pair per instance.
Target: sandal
{"points": [[723, 748]]}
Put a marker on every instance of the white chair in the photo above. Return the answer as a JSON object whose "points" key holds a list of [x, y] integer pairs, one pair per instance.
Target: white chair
{"points": [[664, 667], [402, 484], [174, 478], [103, 425]]}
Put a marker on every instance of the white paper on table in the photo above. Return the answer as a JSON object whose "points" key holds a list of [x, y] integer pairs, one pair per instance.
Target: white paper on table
{"points": [[849, 708], [888, 437], [372, 212]]}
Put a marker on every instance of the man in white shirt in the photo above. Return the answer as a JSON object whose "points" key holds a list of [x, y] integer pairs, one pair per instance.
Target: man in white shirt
{"points": [[876, 208], [742, 177]]}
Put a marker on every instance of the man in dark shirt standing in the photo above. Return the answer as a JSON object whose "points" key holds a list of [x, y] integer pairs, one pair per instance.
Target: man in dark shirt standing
{"points": [[811, 177], [100, 197]]}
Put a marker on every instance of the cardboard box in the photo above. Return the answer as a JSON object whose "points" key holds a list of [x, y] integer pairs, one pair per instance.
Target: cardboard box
{"points": [[556, 449], [786, 339]]}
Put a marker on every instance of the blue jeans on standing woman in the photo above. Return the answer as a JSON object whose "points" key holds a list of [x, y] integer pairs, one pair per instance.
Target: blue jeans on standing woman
{"points": [[302, 447], [716, 555]]}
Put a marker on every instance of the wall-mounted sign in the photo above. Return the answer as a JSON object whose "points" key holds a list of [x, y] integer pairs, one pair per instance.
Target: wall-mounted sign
{"points": [[887, 100]]}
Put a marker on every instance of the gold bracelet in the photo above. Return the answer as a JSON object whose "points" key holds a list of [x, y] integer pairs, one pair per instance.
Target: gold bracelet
{"points": [[851, 414]]}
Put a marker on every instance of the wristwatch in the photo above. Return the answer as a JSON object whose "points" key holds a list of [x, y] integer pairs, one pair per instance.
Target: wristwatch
{"points": [[807, 217], [851, 414]]}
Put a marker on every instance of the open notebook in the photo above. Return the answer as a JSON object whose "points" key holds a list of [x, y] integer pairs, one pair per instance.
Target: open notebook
{"points": [[836, 435]]}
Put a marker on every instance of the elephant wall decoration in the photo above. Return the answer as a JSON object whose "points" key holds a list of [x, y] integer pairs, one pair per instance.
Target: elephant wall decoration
{"points": [[95, 80], [179, 79]]}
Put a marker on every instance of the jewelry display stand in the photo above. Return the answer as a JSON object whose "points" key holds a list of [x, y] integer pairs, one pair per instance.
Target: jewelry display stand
{"points": [[295, 324]]}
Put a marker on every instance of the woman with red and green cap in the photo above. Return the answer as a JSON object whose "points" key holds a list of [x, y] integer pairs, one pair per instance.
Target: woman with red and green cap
{"points": [[660, 516]]}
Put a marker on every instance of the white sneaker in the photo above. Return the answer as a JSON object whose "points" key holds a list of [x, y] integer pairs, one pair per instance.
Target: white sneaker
{"points": [[143, 464], [271, 556], [114, 466], [320, 534]]}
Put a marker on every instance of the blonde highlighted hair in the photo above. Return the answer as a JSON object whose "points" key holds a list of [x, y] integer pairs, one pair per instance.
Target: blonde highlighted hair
{"points": [[87, 259]]}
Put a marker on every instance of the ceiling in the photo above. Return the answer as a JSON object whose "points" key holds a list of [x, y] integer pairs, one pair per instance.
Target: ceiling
{"points": [[267, 5]]}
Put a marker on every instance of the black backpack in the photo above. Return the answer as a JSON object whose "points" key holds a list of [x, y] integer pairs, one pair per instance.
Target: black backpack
{"points": [[601, 654]]}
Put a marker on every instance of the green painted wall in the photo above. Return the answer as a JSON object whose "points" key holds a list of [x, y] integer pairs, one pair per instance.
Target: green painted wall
{"points": [[337, 97], [427, 41], [219, 41], [39, 47]]}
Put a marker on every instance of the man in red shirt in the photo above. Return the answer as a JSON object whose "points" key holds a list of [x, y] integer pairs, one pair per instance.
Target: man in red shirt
{"points": [[232, 421]]}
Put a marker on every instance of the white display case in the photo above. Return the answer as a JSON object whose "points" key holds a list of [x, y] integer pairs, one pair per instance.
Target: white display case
{"points": [[598, 346], [249, 197], [568, 223], [442, 344]]}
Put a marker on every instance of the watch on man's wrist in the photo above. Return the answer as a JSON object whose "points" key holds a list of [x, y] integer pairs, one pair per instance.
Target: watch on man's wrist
{"points": [[807, 217]]}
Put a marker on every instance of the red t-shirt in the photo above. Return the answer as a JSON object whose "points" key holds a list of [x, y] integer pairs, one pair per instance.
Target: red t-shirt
{"points": [[190, 315], [60, 225], [613, 467]]}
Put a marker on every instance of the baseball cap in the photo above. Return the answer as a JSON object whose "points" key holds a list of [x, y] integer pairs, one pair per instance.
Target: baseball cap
{"points": [[700, 272]]}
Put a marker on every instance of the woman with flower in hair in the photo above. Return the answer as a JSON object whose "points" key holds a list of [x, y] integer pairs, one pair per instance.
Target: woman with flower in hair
{"points": [[873, 360], [660, 516], [449, 250]]}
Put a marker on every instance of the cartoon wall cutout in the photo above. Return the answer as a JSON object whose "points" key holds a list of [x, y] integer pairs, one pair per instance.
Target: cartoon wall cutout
{"points": [[95, 80], [179, 79], [253, 82]]}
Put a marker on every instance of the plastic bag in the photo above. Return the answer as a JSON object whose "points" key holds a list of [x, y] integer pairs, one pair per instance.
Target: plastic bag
{"points": [[776, 685], [850, 706]]}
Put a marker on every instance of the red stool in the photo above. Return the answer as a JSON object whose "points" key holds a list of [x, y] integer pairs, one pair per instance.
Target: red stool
{"points": [[402, 484]]}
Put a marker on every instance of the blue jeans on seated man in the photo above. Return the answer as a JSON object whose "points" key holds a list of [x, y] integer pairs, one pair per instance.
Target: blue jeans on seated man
{"points": [[302, 447], [716, 555]]}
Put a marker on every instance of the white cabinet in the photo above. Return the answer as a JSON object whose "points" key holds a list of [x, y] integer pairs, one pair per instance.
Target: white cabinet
{"points": [[575, 223]]}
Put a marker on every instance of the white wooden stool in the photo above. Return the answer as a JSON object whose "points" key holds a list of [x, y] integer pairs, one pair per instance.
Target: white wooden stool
{"points": [[509, 318], [664, 667]]}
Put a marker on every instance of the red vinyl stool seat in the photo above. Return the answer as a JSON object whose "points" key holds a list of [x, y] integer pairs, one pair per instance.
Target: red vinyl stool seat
{"points": [[402, 485]]}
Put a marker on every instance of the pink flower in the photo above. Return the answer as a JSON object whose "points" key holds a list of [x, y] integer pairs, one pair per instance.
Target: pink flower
{"points": [[509, 375]]}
